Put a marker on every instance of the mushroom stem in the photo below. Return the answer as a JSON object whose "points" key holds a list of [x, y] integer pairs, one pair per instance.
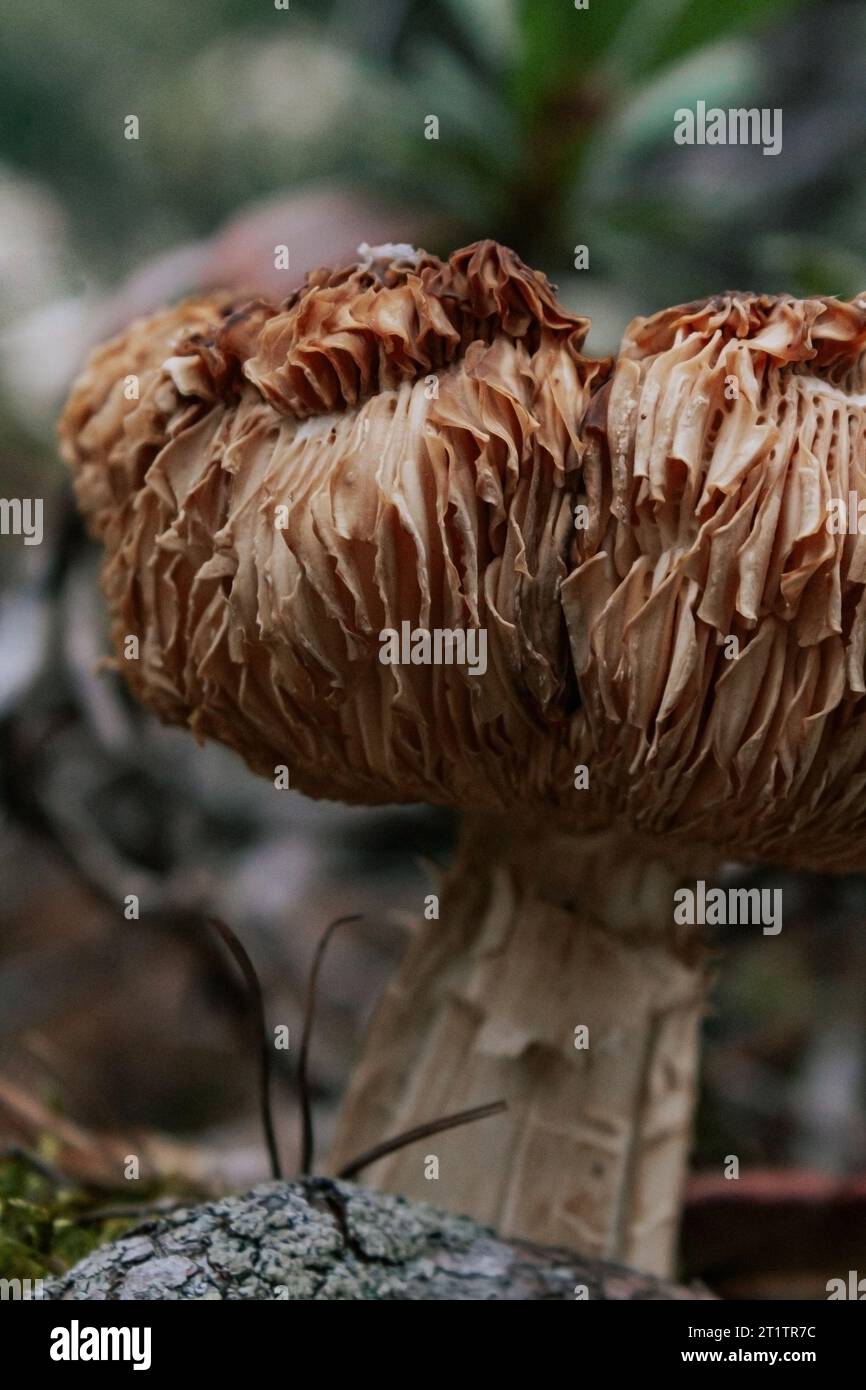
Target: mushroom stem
{"points": [[556, 979]]}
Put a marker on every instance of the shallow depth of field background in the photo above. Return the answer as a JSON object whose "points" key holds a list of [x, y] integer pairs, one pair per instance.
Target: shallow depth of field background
{"points": [[305, 127]]}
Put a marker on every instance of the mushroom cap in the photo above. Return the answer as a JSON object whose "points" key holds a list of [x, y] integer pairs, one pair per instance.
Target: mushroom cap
{"points": [[395, 443], [404, 441], [717, 623]]}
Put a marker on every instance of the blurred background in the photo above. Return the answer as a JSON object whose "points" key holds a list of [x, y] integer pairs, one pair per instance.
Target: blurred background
{"points": [[306, 125]]}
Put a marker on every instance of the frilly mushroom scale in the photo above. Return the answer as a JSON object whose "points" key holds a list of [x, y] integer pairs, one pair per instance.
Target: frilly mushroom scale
{"points": [[396, 443], [716, 618]]}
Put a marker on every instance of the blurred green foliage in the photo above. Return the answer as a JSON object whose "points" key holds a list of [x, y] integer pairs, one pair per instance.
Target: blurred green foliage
{"points": [[556, 127]]}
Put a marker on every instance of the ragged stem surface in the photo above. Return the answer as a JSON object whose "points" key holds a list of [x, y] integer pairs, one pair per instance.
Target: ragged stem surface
{"points": [[554, 978]]}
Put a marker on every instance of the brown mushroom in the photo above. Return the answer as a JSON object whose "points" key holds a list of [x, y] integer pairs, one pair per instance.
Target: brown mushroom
{"points": [[406, 444]]}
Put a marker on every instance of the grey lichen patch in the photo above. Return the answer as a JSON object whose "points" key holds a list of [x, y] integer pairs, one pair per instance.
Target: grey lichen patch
{"points": [[326, 1240], [408, 1230], [168, 1272]]}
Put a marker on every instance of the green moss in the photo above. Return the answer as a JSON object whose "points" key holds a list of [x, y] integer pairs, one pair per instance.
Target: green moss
{"points": [[41, 1226]]}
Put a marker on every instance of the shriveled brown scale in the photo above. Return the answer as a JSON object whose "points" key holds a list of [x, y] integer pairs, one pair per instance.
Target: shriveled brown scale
{"points": [[401, 507], [428, 428]]}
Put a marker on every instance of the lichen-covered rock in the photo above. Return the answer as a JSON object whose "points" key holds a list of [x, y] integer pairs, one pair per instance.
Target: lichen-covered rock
{"points": [[329, 1241]]}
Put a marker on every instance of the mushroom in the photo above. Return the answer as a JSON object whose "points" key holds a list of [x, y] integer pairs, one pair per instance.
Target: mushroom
{"points": [[409, 446]]}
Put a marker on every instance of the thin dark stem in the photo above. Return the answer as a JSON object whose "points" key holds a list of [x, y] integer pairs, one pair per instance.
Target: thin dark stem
{"points": [[257, 1010], [307, 1134], [410, 1136], [17, 1154]]}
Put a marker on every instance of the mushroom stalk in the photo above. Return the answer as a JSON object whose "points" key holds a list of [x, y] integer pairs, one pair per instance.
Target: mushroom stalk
{"points": [[553, 978]]}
